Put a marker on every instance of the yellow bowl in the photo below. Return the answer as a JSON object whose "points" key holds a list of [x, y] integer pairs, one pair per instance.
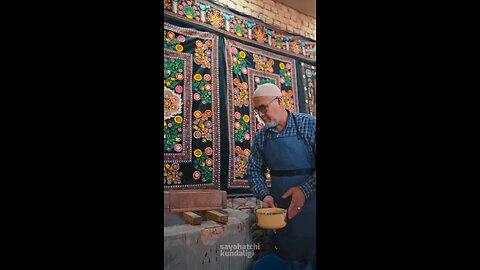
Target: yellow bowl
{"points": [[271, 218]]}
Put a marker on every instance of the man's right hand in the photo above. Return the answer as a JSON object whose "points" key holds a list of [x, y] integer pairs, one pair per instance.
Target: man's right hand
{"points": [[269, 202]]}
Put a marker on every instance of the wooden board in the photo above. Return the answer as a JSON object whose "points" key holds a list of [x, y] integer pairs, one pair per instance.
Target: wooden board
{"points": [[194, 200], [216, 216], [192, 218]]}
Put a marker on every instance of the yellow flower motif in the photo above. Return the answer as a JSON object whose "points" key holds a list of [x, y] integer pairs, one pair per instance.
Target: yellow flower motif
{"points": [[282, 65], [197, 153], [178, 119], [164, 174], [167, 165], [197, 77], [242, 54], [164, 123], [246, 118], [179, 47], [178, 139]]}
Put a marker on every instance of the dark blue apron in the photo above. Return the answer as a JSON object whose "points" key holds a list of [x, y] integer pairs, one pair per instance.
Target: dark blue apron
{"points": [[283, 156]]}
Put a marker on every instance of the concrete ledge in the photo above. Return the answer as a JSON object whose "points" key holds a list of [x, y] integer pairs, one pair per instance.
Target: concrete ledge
{"points": [[198, 246]]}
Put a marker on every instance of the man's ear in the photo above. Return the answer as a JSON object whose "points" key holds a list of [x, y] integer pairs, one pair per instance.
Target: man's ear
{"points": [[280, 100]]}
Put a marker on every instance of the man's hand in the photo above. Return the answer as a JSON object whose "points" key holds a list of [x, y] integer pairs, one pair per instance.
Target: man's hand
{"points": [[298, 200], [268, 201]]}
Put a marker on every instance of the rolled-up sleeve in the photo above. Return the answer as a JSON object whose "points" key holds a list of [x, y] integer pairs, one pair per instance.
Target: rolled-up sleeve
{"points": [[309, 187], [256, 172]]}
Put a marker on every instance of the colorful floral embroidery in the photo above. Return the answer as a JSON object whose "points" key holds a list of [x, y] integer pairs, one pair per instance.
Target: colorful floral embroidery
{"points": [[241, 161], [202, 126], [203, 165], [191, 133], [279, 42], [219, 18], [259, 34], [172, 72], [172, 174], [310, 50], [189, 10], [239, 27], [238, 61], [203, 53], [172, 42], [242, 127], [240, 93], [215, 18], [288, 99], [260, 67], [285, 74], [172, 103], [309, 77], [203, 88], [295, 47], [167, 4], [262, 63]]}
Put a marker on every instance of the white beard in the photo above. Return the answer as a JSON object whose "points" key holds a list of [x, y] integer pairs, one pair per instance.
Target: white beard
{"points": [[270, 124]]}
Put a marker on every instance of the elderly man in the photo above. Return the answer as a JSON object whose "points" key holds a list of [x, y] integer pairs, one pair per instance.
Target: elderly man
{"points": [[287, 146]]}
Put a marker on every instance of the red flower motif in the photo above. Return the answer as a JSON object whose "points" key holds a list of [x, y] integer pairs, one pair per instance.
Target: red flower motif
{"points": [[177, 147], [178, 89], [197, 175]]}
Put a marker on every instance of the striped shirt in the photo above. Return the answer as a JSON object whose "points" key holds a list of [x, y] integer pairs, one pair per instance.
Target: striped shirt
{"points": [[256, 164]]}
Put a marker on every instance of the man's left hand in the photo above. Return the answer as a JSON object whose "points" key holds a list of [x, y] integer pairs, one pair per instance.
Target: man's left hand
{"points": [[298, 200]]}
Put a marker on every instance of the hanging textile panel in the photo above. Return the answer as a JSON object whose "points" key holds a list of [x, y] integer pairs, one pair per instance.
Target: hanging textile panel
{"points": [[309, 77], [222, 19], [191, 109], [248, 68]]}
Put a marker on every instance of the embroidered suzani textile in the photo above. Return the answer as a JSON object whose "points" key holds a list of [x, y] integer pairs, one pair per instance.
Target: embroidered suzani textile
{"points": [[191, 109], [309, 77], [247, 68]]}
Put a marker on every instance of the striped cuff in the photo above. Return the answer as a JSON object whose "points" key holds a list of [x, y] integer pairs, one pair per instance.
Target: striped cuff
{"points": [[306, 190]]}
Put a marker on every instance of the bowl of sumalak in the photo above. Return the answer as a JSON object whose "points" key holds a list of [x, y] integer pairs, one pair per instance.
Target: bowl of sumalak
{"points": [[271, 218]]}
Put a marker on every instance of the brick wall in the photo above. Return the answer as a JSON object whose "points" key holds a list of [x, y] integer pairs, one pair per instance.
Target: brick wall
{"points": [[275, 14]]}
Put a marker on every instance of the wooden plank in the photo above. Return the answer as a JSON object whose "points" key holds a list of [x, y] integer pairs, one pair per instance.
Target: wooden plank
{"points": [[216, 216], [192, 218], [192, 209], [194, 200]]}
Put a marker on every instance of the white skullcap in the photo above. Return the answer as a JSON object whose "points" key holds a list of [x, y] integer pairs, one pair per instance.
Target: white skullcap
{"points": [[267, 90]]}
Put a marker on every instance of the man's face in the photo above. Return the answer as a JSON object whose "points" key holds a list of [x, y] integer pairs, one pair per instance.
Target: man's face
{"points": [[267, 108]]}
